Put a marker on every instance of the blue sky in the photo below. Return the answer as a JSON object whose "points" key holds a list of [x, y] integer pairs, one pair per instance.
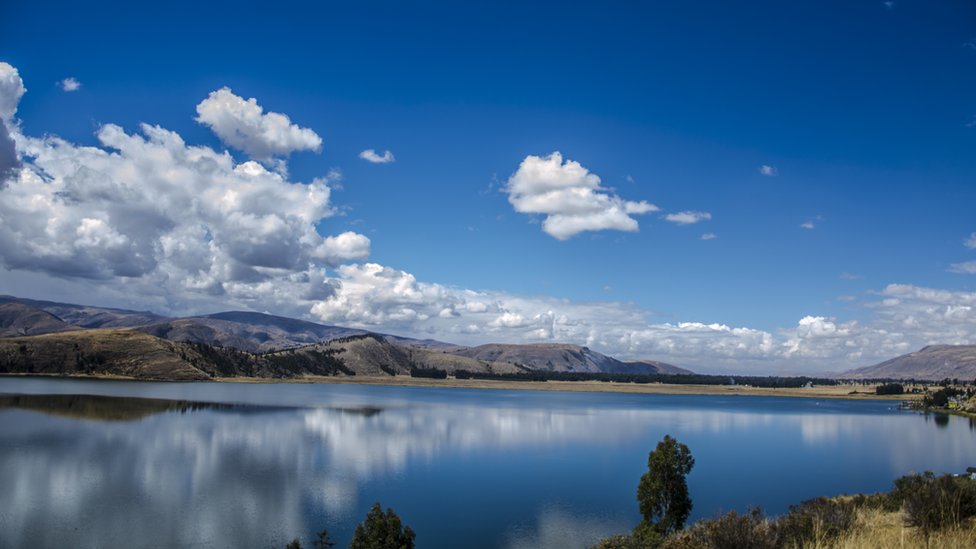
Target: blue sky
{"points": [[864, 111]]}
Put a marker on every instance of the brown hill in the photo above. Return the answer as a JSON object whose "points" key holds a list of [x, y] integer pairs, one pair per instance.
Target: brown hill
{"points": [[553, 357], [113, 352], [375, 355], [657, 367], [131, 353], [84, 316], [935, 362], [562, 357], [252, 332], [18, 319]]}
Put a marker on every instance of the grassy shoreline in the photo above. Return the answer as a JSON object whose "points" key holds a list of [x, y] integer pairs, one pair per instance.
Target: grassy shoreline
{"points": [[826, 391], [846, 392]]}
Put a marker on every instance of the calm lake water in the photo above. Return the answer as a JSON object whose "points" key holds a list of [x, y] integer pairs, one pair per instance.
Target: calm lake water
{"points": [[464, 468]]}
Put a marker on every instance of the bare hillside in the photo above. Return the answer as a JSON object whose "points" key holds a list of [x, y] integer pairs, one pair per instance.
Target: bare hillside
{"points": [[934, 362]]}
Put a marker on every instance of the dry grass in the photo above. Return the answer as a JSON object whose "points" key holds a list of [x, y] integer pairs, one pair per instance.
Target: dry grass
{"points": [[878, 529]]}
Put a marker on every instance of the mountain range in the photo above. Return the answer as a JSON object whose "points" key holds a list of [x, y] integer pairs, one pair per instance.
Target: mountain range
{"points": [[51, 337], [61, 338]]}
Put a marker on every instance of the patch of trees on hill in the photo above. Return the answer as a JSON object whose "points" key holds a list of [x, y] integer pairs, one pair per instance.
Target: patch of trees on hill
{"points": [[222, 361], [230, 362], [310, 361], [432, 373]]}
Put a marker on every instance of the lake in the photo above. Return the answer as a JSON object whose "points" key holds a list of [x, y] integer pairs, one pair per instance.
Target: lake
{"points": [[462, 467]]}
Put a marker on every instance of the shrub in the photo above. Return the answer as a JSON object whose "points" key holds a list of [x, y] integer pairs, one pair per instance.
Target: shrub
{"points": [[617, 542], [815, 521], [941, 502], [729, 531], [905, 487]]}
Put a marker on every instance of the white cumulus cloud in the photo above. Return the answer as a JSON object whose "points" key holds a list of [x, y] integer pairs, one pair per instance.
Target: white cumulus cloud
{"points": [[243, 125], [149, 215], [902, 318], [688, 218], [769, 171], [570, 197], [343, 247], [70, 84], [373, 157], [11, 90]]}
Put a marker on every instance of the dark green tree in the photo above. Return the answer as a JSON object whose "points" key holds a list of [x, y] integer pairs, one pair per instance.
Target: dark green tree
{"points": [[323, 541], [663, 490], [294, 544], [382, 531]]}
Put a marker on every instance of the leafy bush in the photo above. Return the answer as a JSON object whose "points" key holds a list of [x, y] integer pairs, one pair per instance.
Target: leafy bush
{"points": [[905, 487], [815, 521], [935, 503], [729, 531]]}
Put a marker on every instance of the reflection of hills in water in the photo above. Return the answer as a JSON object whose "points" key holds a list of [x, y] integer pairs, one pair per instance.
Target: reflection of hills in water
{"points": [[114, 408], [106, 408]]}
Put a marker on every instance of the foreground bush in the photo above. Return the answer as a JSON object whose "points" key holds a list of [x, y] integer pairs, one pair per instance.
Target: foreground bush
{"points": [[817, 521], [939, 503], [730, 531], [939, 512]]}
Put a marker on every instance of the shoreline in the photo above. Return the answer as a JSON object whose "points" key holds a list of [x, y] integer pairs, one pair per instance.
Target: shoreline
{"points": [[845, 392], [826, 391]]}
